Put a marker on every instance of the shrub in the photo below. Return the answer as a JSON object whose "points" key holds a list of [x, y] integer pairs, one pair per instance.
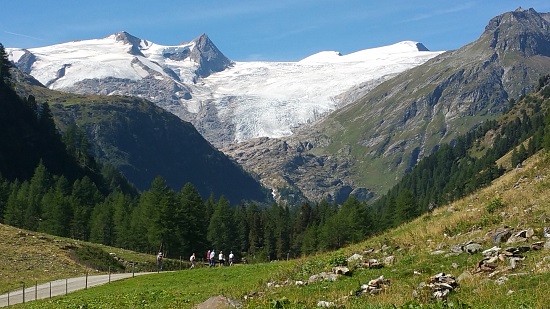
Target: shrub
{"points": [[96, 258], [494, 205]]}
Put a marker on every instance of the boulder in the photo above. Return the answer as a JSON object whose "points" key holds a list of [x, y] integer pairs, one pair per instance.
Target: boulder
{"points": [[501, 236], [473, 248], [374, 286], [325, 304], [494, 251], [389, 260], [355, 257], [219, 302], [438, 286], [341, 270], [322, 277]]}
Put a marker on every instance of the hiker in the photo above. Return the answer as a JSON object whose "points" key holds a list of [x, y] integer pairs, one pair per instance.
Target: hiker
{"points": [[231, 257], [221, 258], [159, 261], [192, 259], [208, 257], [212, 255]]}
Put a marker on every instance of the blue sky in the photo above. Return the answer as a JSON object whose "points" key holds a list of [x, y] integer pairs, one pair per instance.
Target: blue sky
{"points": [[276, 30]]}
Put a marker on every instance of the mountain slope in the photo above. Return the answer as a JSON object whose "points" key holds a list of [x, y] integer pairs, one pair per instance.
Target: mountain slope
{"points": [[226, 101], [372, 142], [144, 141]]}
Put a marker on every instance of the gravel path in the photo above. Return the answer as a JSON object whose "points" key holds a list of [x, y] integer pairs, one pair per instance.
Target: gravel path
{"points": [[60, 287]]}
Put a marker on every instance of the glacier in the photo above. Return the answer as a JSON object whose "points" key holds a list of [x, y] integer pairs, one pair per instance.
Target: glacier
{"points": [[240, 101]]}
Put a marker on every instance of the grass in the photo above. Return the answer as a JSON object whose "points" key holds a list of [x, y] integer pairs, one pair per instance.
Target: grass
{"points": [[32, 257], [506, 203]]}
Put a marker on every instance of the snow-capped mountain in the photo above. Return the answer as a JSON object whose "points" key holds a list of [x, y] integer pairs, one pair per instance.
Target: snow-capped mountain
{"points": [[227, 101]]}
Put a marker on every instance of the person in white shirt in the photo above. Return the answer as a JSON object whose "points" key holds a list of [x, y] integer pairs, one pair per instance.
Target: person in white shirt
{"points": [[231, 257], [212, 255], [159, 261], [221, 258], [192, 259]]}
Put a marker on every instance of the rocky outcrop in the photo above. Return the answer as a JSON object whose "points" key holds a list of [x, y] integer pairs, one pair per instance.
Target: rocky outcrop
{"points": [[208, 56], [294, 173]]}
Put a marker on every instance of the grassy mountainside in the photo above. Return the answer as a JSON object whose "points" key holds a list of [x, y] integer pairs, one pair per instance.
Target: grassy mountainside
{"points": [[405, 118], [32, 257], [517, 201], [371, 143]]}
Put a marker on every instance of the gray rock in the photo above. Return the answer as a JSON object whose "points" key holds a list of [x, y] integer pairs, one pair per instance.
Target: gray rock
{"points": [[473, 248], [389, 260], [355, 257], [341, 270], [514, 262], [501, 236], [456, 249], [494, 251], [322, 277], [501, 280], [219, 302], [325, 304]]}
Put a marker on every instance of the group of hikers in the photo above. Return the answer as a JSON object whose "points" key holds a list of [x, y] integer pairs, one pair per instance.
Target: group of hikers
{"points": [[210, 256]]}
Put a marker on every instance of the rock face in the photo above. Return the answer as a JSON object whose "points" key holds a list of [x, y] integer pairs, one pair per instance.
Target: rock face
{"points": [[208, 56], [383, 134]]}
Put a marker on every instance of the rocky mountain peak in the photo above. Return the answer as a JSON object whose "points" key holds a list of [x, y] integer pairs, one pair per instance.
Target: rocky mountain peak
{"points": [[208, 56], [523, 31], [421, 47], [131, 40]]}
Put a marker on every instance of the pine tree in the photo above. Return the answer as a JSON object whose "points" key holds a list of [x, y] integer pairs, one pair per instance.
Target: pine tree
{"points": [[405, 206], [221, 226], [5, 189], [158, 205], [255, 233], [191, 222], [282, 231], [16, 205], [40, 183], [242, 229], [85, 195], [310, 240], [122, 213], [4, 66], [56, 209]]}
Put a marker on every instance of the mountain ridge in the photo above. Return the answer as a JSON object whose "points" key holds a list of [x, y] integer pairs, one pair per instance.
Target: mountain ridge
{"points": [[370, 143], [226, 101]]}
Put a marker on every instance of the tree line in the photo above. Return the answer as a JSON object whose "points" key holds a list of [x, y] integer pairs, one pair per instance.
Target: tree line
{"points": [[179, 222], [458, 169]]}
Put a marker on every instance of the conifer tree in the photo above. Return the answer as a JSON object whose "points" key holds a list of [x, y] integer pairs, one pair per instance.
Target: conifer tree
{"points": [[85, 195], [56, 209], [4, 66], [191, 225], [40, 184], [17, 202], [122, 213], [102, 228], [158, 205], [221, 226], [242, 229]]}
